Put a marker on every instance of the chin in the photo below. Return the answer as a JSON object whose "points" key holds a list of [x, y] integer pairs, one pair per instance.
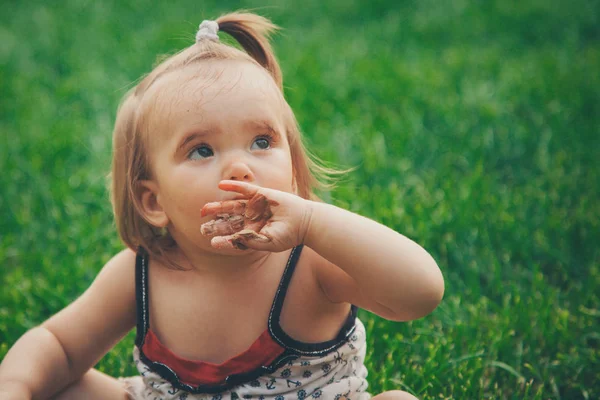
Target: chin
{"points": [[236, 252]]}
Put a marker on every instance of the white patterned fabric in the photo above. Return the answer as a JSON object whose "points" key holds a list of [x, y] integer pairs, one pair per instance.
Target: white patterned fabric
{"points": [[339, 374]]}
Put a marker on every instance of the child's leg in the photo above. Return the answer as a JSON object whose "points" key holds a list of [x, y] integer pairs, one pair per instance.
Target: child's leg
{"points": [[94, 385], [394, 395]]}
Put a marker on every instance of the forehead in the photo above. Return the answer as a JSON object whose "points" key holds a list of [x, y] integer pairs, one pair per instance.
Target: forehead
{"points": [[221, 92]]}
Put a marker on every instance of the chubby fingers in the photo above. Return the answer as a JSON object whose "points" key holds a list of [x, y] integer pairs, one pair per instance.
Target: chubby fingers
{"points": [[225, 224], [225, 207], [245, 188], [257, 208], [241, 240]]}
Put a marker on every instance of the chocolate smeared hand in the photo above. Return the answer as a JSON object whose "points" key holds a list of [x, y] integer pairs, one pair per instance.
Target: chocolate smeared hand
{"points": [[225, 224], [239, 239], [258, 208], [237, 221]]}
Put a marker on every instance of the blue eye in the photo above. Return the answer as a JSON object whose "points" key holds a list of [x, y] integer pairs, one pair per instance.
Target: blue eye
{"points": [[201, 152], [261, 143]]}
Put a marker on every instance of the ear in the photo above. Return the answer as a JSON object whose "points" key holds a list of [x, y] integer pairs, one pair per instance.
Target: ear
{"points": [[151, 208]]}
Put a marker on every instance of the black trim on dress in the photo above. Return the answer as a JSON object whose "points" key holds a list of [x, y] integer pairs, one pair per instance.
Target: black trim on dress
{"points": [[293, 348], [296, 346], [141, 291]]}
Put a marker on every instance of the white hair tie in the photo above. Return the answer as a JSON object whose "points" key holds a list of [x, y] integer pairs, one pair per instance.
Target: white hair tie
{"points": [[208, 30]]}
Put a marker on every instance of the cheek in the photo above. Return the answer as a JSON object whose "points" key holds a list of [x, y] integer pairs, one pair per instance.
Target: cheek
{"points": [[186, 191], [282, 174]]}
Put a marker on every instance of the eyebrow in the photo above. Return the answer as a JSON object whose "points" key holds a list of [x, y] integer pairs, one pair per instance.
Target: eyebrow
{"points": [[194, 136], [252, 125], [262, 125]]}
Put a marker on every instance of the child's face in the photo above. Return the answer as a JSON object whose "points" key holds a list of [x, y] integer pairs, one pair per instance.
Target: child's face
{"points": [[204, 130]]}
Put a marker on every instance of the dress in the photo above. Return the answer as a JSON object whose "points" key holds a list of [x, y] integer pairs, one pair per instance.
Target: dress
{"points": [[275, 367]]}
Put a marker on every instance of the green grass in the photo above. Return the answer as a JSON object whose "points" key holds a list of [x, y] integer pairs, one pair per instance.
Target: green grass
{"points": [[475, 127]]}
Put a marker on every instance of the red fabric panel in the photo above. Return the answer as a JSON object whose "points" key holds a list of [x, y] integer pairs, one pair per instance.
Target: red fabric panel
{"points": [[262, 352]]}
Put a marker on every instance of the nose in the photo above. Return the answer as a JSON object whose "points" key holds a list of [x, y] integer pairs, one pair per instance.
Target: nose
{"points": [[238, 171]]}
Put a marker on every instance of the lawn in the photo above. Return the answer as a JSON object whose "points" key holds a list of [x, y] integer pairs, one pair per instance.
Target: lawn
{"points": [[474, 127]]}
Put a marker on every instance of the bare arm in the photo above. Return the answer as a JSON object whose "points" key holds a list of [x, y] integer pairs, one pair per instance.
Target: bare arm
{"points": [[383, 270], [36, 361], [49, 357], [359, 260]]}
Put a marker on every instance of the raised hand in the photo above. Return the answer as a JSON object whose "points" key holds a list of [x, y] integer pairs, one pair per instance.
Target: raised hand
{"points": [[265, 219]]}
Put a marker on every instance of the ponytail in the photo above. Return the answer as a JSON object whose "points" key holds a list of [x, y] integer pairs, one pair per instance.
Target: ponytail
{"points": [[253, 32]]}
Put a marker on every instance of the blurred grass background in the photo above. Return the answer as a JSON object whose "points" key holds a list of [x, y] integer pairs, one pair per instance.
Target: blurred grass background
{"points": [[475, 126]]}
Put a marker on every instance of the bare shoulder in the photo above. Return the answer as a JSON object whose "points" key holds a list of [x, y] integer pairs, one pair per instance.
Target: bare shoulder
{"points": [[119, 271], [92, 324], [116, 280]]}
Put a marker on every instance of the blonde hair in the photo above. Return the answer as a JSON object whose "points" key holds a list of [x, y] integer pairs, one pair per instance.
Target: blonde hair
{"points": [[131, 164]]}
